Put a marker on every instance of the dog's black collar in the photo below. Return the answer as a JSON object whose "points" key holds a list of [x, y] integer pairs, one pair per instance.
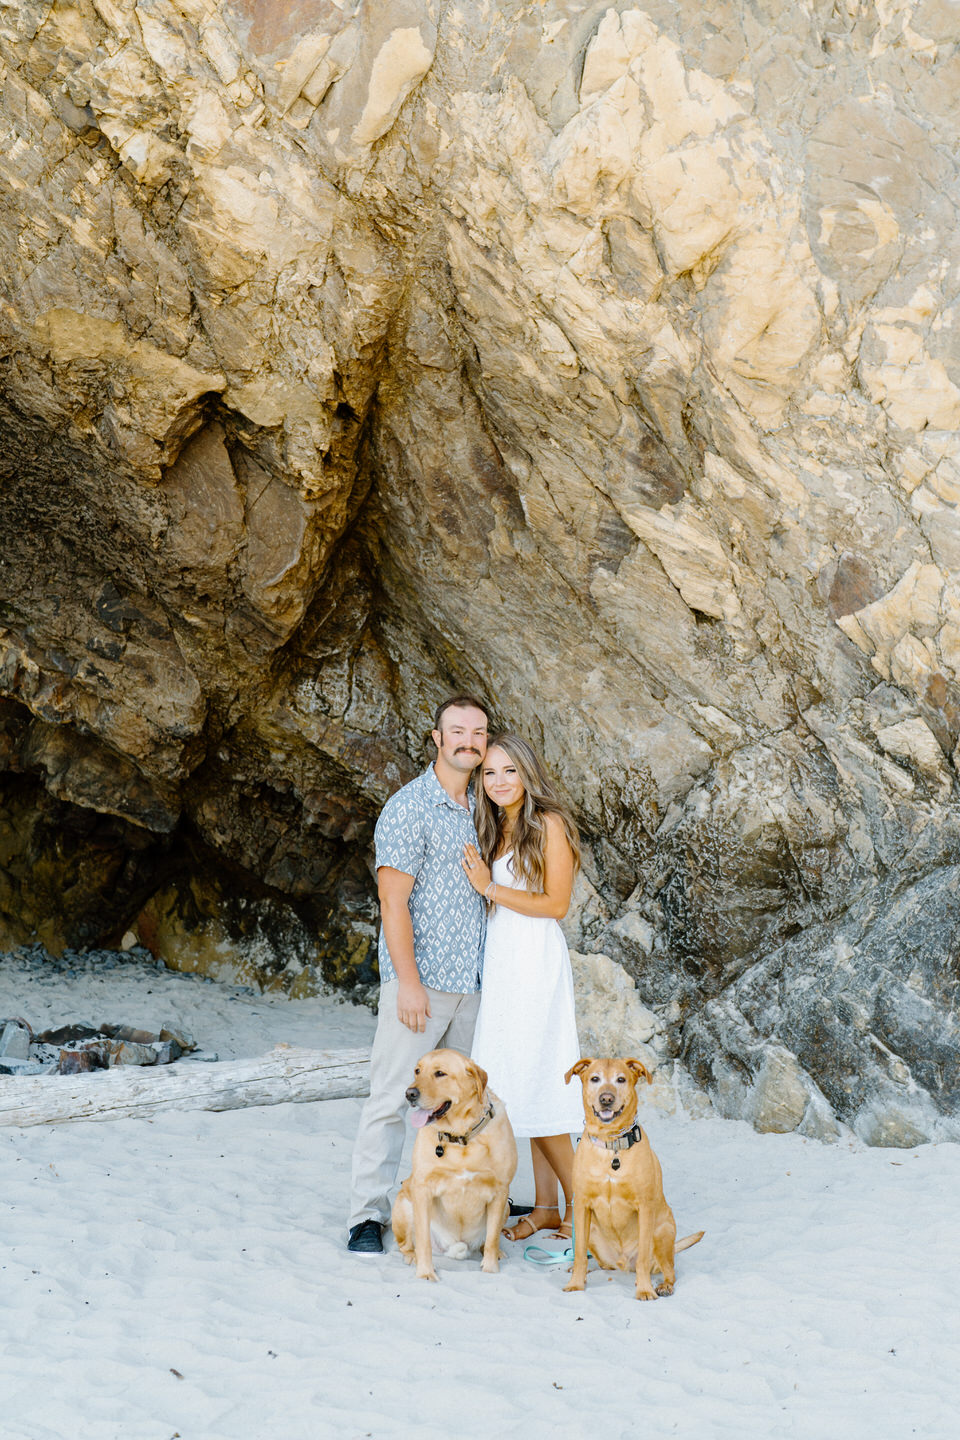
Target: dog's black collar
{"points": [[445, 1137], [622, 1141]]}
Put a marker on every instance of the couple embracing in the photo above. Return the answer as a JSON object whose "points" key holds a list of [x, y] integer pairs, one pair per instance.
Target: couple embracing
{"points": [[473, 880]]}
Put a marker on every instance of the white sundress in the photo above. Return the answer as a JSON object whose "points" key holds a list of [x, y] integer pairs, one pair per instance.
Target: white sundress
{"points": [[526, 1034]]}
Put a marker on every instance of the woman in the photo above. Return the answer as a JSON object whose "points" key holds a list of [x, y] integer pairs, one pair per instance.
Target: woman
{"points": [[526, 1035]]}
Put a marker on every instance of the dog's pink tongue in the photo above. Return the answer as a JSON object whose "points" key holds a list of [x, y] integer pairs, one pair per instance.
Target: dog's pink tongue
{"points": [[419, 1118]]}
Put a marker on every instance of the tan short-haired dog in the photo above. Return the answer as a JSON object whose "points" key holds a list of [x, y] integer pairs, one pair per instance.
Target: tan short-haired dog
{"points": [[619, 1212], [464, 1159]]}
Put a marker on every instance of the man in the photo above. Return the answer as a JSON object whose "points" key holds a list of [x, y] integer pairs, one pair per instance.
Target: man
{"points": [[431, 948]]}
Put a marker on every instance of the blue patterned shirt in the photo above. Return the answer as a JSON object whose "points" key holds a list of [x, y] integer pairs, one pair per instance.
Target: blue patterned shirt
{"points": [[422, 831]]}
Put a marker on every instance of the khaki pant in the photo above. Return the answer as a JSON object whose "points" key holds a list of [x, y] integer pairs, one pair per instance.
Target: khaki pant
{"points": [[396, 1050]]}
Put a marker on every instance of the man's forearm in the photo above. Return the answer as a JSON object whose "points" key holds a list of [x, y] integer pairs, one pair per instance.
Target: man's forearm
{"points": [[398, 933]]}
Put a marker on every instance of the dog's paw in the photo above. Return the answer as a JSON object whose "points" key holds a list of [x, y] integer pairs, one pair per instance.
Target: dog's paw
{"points": [[646, 1295], [426, 1274], [576, 1285], [459, 1250], [491, 1267], [664, 1289]]}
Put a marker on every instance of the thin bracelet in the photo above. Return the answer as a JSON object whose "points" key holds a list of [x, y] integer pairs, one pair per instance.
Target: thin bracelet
{"points": [[491, 887]]}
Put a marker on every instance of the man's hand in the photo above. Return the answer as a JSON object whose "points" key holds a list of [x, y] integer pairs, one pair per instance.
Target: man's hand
{"points": [[413, 1005]]}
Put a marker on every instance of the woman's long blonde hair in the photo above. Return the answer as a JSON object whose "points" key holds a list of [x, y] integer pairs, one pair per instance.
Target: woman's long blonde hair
{"points": [[529, 835]]}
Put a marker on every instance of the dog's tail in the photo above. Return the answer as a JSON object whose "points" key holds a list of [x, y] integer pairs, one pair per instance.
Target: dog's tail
{"points": [[689, 1240]]}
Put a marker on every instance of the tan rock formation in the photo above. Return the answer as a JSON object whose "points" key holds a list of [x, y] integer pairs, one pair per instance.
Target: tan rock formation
{"points": [[601, 357]]}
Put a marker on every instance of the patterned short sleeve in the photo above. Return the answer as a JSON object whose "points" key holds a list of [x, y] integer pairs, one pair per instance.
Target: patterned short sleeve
{"points": [[401, 833]]}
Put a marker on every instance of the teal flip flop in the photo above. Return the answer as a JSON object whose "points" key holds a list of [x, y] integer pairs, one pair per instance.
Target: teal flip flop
{"points": [[540, 1255]]}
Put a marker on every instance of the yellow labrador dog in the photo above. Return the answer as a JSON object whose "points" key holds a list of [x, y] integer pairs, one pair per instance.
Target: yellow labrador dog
{"points": [[619, 1212], [464, 1158]]}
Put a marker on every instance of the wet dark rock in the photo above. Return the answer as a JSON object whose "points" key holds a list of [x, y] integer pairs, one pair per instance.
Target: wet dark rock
{"points": [[68, 1034], [79, 1061]]}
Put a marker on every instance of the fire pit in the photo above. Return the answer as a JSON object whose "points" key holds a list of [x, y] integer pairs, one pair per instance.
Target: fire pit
{"points": [[71, 1049]]}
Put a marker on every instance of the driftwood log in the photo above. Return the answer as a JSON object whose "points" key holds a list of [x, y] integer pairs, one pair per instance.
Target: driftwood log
{"points": [[284, 1074]]}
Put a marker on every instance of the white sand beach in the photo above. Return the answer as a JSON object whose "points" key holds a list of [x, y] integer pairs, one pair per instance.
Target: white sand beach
{"points": [[186, 1277]]}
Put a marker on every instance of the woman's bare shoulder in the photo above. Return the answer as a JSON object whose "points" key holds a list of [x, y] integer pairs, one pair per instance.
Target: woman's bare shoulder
{"points": [[554, 830]]}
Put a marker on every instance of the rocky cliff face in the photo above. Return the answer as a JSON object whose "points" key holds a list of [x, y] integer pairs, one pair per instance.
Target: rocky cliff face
{"points": [[604, 359]]}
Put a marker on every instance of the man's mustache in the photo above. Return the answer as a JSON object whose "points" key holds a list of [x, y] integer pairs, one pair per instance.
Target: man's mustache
{"points": [[466, 750]]}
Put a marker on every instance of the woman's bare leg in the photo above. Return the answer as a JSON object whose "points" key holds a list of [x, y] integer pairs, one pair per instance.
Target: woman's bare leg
{"points": [[545, 1214], [544, 1179], [557, 1153]]}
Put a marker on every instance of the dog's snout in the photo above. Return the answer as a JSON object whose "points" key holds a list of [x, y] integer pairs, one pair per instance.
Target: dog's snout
{"points": [[607, 1097], [413, 1095]]}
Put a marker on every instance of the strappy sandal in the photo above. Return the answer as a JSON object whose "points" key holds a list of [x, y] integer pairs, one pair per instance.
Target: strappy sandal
{"points": [[526, 1225]]}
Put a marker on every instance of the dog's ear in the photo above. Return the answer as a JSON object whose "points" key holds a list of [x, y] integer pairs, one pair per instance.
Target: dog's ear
{"points": [[480, 1078], [577, 1069], [638, 1070]]}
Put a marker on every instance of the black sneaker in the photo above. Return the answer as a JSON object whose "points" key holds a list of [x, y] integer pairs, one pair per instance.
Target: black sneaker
{"points": [[365, 1238]]}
